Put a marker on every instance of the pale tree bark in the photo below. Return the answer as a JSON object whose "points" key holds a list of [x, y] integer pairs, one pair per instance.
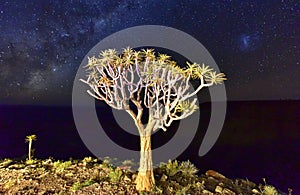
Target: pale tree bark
{"points": [[145, 178], [29, 149]]}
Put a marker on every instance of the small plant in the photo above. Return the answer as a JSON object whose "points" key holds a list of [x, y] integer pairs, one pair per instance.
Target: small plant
{"points": [[116, 174], [144, 193], [107, 160], [29, 139], [6, 162], [171, 168], [9, 184], [188, 168], [157, 189], [128, 163], [77, 185], [268, 189], [61, 166], [87, 159], [30, 162], [184, 190]]}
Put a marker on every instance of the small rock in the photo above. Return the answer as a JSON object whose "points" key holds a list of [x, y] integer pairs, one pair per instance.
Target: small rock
{"points": [[214, 174], [255, 191], [42, 192], [47, 162], [127, 178], [123, 167], [163, 178], [228, 192], [133, 177], [72, 167], [219, 189], [27, 177], [80, 165], [158, 171], [206, 192], [43, 175], [32, 166], [69, 174], [16, 166], [247, 183], [6, 163]]}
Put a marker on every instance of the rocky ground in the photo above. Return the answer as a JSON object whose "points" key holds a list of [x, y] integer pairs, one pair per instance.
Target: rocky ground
{"points": [[90, 176]]}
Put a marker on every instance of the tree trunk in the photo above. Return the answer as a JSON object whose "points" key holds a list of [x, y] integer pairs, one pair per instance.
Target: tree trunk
{"points": [[29, 150], [145, 178]]}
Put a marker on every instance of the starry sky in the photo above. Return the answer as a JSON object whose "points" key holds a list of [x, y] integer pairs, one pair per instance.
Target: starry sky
{"points": [[42, 43]]}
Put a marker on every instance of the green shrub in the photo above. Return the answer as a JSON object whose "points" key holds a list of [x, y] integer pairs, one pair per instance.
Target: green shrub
{"points": [[188, 168], [172, 168], [116, 174], [61, 166], [77, 185], [184, 190], [30, 162], [87, 159], [269, 190]]}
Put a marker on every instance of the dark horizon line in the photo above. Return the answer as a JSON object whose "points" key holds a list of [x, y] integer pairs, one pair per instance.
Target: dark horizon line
{"points": [[205, 102]]}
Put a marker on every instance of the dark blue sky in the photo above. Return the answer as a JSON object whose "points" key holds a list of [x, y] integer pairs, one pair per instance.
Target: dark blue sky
{"points": [[42, 43]]}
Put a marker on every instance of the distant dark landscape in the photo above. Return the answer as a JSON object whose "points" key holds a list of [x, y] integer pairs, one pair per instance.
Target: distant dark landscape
{"points": [[260, 139]]}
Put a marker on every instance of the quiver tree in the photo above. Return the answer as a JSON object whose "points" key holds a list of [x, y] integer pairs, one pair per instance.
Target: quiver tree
{"points": [[30, 139], [147, 81]]}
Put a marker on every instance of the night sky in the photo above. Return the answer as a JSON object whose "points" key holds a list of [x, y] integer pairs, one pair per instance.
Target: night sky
{"points": [[42, 43]]}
